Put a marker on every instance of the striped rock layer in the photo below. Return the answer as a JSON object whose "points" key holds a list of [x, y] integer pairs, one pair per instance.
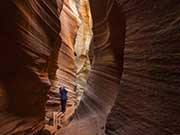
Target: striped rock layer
{"points": [[29, 37], [148, 101], [134, 54]]}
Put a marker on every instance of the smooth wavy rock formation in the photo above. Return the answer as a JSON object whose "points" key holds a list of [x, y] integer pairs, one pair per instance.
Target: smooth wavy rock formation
{"points": [[29, 37], [148, 97], [134, 41], [82, 47], [76, 34], [65, 75], [103, 80], [148, 101]]}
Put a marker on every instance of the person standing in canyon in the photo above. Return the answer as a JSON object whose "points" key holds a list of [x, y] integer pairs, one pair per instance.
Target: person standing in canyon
{"points": [[64, 97]]}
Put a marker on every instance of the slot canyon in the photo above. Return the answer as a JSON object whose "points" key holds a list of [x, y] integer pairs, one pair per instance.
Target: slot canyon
{"points": [[118, 59]]}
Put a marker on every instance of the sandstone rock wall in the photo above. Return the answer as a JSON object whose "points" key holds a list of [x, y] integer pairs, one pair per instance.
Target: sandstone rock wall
{"points": [[66, 73], [82, 46], [138, 37], [148, 101], [103, 80], [29, 37]]}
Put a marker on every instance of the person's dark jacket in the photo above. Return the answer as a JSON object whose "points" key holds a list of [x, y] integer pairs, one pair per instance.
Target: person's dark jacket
{"points": [[63, 94]]}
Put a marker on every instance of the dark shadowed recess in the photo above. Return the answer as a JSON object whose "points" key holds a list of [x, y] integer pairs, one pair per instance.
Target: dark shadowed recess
{"points": [[24, 71]]}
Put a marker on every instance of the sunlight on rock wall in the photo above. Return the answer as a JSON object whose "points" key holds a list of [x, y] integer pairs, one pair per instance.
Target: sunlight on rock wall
{"points": [[72, 70], [103, 79], [82, 45], [65, 75], [70, 25]]}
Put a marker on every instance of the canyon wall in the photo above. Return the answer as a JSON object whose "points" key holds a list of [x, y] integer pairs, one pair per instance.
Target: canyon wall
{"points": [[29, 37], [103, 80], [138, 38], [148, 101], [82, 47], [65, 75]]}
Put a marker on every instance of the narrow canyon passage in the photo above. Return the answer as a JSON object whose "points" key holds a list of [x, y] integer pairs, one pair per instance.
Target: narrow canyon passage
{"points": [[119, 60]]}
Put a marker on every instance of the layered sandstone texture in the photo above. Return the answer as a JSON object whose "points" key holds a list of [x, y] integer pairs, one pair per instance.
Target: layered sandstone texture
{"points": [[65, 75], [36, 63], [29, 37], [148, 101], [138, 38], [73, 59], [82, 48], [103, 79]]}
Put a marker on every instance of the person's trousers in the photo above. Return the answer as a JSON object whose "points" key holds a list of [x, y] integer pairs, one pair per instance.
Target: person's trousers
{"points": [[63, 105]]}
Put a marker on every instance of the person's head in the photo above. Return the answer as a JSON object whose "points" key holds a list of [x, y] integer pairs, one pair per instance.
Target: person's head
{"points": [[61, 88]]}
